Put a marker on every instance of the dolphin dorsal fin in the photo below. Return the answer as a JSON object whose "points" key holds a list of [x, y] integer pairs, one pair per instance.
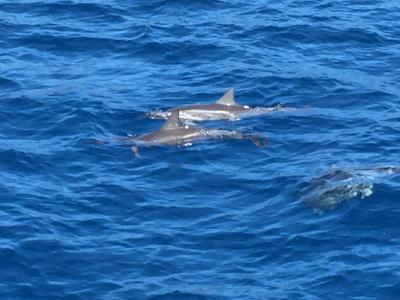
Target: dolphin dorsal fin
{"points": [[228, 98], [173, 121]]}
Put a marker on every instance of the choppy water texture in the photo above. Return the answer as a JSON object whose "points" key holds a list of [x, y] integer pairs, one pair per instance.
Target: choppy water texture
{"points": [[219, 219]]}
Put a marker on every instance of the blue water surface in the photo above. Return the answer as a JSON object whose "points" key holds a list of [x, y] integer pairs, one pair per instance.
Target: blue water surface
{"points": [[219, 219]]}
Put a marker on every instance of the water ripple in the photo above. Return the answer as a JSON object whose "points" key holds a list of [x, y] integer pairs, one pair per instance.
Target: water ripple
{"points": [[83, 218]]}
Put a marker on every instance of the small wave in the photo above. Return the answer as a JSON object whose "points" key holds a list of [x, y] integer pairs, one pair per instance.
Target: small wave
{"points": [[322, 34], [176, 295], [73, 45], [66, 10], [8, 83], [187, 4]]}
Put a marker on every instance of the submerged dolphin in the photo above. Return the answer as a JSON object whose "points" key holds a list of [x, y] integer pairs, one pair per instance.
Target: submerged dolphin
{"points": [[174, 132], [224, 108], [329, 190]]}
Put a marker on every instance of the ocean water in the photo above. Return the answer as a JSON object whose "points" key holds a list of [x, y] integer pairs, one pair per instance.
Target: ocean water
{"points": [[219, 219]]}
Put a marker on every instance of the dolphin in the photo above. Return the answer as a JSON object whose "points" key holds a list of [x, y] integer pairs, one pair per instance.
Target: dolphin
{"points": [[224, 108], [174, 132], [326, 192]]}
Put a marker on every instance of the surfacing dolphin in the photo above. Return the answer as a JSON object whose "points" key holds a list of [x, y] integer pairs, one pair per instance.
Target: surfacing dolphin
{"points": [[174, 132], [329, 190], [223, 109]]}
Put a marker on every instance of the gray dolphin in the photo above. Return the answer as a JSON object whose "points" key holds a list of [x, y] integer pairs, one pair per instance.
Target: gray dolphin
{"points": [[224, 108], [174, 132], [329, 190]]}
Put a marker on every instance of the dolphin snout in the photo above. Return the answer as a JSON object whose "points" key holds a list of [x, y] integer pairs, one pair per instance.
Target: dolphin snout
{"points": [[389, 170], [257, 140], [396, 170]]}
